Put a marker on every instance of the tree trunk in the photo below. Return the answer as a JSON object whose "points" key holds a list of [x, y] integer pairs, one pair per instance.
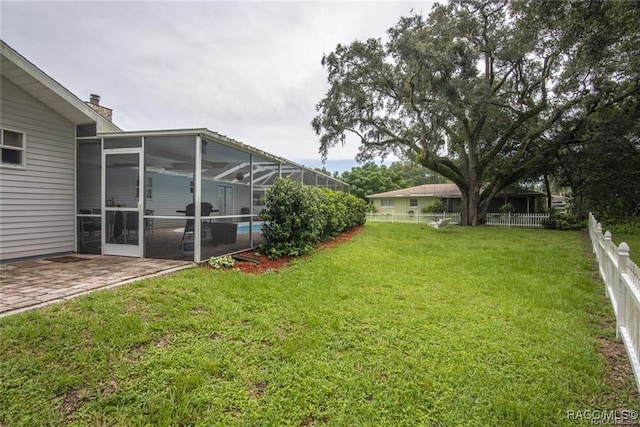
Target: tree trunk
{"points": [[470, 213], [547, 187]]}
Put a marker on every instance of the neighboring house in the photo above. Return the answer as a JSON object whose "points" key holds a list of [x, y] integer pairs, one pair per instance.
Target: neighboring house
{"points": [[413, 200], [71, 180]]}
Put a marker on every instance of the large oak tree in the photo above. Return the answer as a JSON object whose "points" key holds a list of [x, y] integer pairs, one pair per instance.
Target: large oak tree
{"points": [[476, 91]]}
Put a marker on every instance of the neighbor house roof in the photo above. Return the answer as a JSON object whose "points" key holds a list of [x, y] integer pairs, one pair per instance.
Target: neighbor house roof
{"points": [[38, 84], [444, 191]]}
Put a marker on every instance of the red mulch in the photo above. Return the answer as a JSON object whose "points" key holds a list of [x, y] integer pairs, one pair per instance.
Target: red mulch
{"points": [[267, 264]]}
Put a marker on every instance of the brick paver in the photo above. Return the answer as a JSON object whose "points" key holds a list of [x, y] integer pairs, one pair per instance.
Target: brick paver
{"points": [[26, 285]]}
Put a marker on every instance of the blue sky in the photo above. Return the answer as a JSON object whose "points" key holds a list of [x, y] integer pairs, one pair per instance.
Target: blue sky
{"points": [[246, 69]]}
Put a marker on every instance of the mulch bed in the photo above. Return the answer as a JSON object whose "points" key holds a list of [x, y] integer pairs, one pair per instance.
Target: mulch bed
{"points": [[267, 264]]}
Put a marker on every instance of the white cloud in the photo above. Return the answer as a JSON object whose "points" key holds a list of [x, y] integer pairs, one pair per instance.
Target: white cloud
{"points": [[249, 70]]}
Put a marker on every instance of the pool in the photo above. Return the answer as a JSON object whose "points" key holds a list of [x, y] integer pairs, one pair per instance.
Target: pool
{"points": [[243, 227]]}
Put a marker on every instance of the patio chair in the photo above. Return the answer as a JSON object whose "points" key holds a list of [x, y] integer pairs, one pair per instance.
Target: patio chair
{"points": [[88, 226], [440, 223], [131, 225], [186, 245]]}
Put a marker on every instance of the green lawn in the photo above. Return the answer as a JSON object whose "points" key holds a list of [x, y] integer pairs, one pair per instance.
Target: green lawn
{"points": [[400, 326]]}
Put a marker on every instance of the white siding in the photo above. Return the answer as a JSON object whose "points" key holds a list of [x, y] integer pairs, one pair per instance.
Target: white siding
{"points": [[36, 203]]}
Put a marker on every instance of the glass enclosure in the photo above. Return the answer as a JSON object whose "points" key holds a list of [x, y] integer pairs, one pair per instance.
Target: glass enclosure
{"points": [[170, 166], [153, 214], [89, 218]]}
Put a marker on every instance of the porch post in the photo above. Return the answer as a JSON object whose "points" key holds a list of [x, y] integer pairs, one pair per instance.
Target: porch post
{"points": [[251, 200], [75, 189], [142, 201], [103, 197], [197, 193]]}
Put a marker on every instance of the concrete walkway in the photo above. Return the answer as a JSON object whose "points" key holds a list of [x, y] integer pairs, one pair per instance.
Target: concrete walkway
{"points": [[26, 285]]}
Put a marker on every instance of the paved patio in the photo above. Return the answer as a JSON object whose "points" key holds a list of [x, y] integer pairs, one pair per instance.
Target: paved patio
{"points": [[27, 285]]}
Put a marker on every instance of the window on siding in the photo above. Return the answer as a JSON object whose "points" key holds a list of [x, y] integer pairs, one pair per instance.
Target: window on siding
{"points": [[388, 203], [13, 148], [413, 203], [148, 190]]}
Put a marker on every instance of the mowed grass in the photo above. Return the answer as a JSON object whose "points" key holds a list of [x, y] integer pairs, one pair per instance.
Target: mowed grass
{"points": [[399, 326]]}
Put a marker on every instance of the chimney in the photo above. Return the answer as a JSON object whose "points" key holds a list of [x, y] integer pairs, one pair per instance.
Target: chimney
{"points": [[94, 102]]}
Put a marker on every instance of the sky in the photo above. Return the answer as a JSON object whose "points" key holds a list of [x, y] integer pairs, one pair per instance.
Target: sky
{"points": [[250, 70]]}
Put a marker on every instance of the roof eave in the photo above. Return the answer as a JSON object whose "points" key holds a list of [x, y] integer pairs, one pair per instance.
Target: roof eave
{"points": [[83, 113]]}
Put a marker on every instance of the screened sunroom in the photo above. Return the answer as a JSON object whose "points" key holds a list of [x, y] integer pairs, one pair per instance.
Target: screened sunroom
{"points": [[138, 193]]}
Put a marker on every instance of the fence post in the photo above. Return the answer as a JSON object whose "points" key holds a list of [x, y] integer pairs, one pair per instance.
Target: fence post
{"points": [[621, 297], [592, 231], [598, 240], [608, 261]]}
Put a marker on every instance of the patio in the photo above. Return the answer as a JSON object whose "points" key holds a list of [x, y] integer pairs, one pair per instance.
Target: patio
{"points": [[27, 285]]}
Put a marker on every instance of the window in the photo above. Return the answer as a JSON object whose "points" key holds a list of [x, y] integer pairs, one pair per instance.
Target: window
{"points": [[388, 203], [12, 144], [148, 181], [413, 203]]}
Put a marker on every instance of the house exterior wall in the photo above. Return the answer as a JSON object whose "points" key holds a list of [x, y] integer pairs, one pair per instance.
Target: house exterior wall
{"points": [[402, 205], [37, 201]]}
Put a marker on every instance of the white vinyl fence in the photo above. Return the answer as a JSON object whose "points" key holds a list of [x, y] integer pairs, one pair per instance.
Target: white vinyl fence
{"points": [[516, 219], [621, 277], [423, 218], [501, 219]]}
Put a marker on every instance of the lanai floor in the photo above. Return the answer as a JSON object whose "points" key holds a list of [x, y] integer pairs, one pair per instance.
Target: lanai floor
{"points": [[27, 285]]}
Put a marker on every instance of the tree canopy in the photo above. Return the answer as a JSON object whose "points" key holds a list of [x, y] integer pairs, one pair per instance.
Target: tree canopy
{"points": [[601, 165], [599, 147], [480, 91], [371, 178]]}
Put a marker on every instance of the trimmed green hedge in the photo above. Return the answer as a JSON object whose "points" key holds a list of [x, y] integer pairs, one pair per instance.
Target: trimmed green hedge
{"points": [[562, 221], [297, 217]]}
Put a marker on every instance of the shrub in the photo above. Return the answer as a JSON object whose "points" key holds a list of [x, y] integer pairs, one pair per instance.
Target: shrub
{"points": [[298, 217], [293, 223], [507, 208], [629, 225], [334, 209], [562, 221], [435, 207], [225, 261]]}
